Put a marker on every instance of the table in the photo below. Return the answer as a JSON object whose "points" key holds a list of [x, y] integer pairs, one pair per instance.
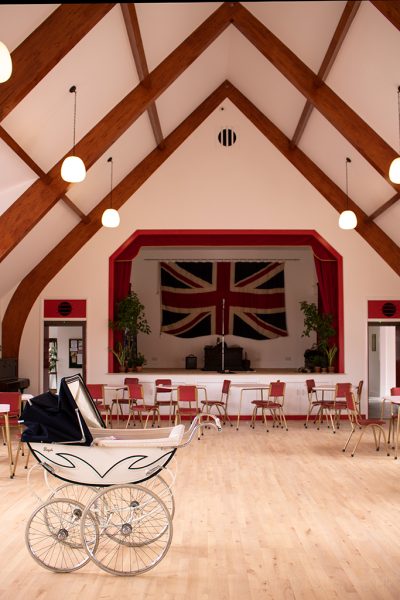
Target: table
{"points": [[394, 401], [4, 410], [245, 387]]}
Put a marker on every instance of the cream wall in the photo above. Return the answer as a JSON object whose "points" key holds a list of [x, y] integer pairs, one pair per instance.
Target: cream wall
{"points": [[206, 186]]}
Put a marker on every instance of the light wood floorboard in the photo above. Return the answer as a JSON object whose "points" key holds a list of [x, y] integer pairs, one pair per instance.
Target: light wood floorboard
{"points": [[278, 515]]}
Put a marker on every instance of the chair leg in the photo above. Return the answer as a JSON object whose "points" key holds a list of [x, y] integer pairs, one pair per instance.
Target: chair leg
{"points": [[350, 436]]}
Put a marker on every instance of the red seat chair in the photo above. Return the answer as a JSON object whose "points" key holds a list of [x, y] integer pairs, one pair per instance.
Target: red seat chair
{"points": [[274, 404], [96, 390], [313, 400], [333, 408], [14, 400], [357, 421], [221, 405], [120, 401], [161, 387], [394, 391], [138, 407]]}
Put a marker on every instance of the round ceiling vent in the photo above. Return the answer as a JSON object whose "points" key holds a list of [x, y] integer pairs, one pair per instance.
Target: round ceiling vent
{"points": [[389, 309], [64, 309], [227, 137]]}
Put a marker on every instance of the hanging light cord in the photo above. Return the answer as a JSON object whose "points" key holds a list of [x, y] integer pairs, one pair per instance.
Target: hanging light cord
{"points": [[398, 107], [348, 160], [110, 160], [73, 91]]}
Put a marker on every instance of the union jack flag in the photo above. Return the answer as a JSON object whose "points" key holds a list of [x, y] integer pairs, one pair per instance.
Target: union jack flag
{"points": [[246, 299]]}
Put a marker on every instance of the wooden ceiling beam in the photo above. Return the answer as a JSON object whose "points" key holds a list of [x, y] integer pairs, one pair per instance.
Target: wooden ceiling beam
{"points": [[32, 285], [364, 139], [378, 240], [36, 169], [136, 43], [38, 199], [349, 12], [33, 59], [384, 207], [390, 9]]}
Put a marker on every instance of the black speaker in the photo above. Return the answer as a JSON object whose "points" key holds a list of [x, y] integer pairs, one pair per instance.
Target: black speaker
{"points": [[191, 361]]}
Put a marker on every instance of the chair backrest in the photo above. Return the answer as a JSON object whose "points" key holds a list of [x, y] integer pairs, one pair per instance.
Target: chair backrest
{"points": [[131, 380], [351, 405], [96, 390], [395, 391], [342, 389], [13, 399], [187, 394], [310, 384], [135, 391], [225, 388], [277, 389], [163, 390], [359, 388]]}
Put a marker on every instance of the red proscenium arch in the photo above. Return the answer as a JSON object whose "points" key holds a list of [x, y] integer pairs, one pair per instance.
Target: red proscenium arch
{"points": [[236, 237]]}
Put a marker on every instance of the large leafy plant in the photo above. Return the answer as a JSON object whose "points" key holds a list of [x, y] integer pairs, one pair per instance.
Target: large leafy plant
{"points": [[130, 320]]}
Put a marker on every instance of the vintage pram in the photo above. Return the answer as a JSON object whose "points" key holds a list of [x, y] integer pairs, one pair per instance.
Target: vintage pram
{"points": [[100, 513]]}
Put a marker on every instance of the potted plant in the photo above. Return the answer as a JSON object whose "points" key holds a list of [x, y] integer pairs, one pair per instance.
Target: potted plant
{"points": [[130, 320], [322, 325], [139, 361], [120, 354], [331, 352]]}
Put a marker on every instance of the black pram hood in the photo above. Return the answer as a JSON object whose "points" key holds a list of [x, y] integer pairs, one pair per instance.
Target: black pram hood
{"points": [[52, 418]]}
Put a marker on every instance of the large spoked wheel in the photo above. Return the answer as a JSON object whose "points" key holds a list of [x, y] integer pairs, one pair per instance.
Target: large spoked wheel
{"points": [[160, 487], [53, 535], [135, 529], [72, 491]]}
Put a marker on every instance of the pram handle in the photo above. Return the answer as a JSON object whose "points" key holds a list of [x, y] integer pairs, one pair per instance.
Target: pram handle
{"points": [[198, 422]]}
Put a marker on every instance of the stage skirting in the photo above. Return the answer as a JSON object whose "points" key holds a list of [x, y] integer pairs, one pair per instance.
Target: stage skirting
{"points": [[296, 401]]}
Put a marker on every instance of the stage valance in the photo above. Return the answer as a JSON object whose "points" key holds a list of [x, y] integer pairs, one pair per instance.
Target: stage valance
{"points": [[245, 299]]}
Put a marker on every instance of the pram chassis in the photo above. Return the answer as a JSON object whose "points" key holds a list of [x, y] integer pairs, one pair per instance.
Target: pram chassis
{"points": [[122, 518]]}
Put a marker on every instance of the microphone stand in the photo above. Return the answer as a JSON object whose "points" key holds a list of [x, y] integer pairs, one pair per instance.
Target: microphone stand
{"points": [[223, 337]]}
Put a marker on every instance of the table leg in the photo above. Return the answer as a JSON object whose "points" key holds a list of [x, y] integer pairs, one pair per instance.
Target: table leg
{"points": [[397, 433], [240, 407], [8, 441]]}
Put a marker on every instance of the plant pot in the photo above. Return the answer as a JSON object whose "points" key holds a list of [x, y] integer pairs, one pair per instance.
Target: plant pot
{"points": [[317, 369], [331, 369], [121, 369], [139, 368]]}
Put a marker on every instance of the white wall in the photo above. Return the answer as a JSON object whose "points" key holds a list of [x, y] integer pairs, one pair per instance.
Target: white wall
{"points": [[205, 186]]}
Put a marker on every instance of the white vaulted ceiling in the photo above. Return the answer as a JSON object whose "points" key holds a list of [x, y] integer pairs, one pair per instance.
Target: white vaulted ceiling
{"points": [[365, 75]]}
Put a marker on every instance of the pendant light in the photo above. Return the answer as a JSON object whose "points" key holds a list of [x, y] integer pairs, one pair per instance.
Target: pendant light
{"points": [[110, 216], [73, 169], [394, 170], [5, 63], [347, 219]]}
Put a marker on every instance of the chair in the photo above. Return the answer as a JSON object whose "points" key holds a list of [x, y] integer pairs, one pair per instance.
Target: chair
{"points": [[187, 404], [137, 406], [96, 390], [333, 408], [274, 404], [165, 390], [119, 402], [14, 400], [313, 401], [394, 391], [221, 405], [357, 421], [358, 394]]}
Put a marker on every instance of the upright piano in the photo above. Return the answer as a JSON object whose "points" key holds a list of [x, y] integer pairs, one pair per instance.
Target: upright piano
{"points": [[9, 380]]}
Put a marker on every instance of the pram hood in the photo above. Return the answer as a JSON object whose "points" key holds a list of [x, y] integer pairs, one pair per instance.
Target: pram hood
{"points": [[53, 418]]}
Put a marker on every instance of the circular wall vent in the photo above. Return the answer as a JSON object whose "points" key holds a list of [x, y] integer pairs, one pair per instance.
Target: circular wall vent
{"points": [[227, 137], [64, 309], [389, 309]]}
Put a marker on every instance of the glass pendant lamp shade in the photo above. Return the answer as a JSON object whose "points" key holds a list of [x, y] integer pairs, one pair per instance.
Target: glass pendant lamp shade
{"points": [[73, 169], [5, 63], [110, 217], [394, 171], [347, 219]]}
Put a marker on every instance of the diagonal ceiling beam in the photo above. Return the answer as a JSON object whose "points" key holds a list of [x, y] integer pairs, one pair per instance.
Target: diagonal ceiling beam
{"points": [[349, 12], [368, 143], [36, 169], [379, 241], [45, 47], [135, 40], [390, 9], [38, 199], [384, 207], [31, 286]]}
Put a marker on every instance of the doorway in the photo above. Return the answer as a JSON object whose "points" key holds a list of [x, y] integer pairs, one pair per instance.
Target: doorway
{"points": [[383, 362], [64, 352]]}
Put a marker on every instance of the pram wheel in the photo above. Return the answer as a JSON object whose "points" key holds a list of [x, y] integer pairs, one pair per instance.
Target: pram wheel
{"points": [[160, 487], [53, 535], [72, 491], [134, 529]]}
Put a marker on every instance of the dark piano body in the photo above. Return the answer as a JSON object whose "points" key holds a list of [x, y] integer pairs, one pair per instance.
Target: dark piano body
{"points": [[9, 380]]}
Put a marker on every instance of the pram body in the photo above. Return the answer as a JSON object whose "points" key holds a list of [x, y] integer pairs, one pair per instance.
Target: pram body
{"points": [[125, 528]]}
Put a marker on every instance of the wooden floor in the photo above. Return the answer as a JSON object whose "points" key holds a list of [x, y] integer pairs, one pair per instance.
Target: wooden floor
{"points": [[276, 515]]}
